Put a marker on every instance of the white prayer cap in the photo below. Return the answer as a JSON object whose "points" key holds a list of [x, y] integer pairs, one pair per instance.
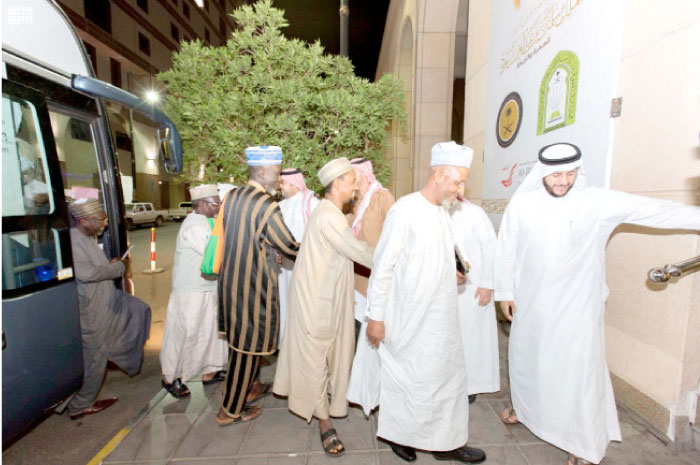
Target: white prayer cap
{"points": [[553, 158], [334, 169], [451, 154], [203, 191], [263, 155]]}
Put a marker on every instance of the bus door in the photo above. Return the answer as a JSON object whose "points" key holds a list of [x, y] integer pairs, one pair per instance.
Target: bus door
{"points": [[42, 359]]}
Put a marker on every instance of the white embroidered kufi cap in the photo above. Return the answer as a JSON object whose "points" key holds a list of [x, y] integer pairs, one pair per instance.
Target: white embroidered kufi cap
{"points": [[334, 169], [203, 191]]}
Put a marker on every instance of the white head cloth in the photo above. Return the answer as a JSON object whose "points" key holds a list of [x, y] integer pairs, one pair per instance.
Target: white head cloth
{"points": [[334, 169], [203, 191], [294, 177], [451, 154], [553, 158]]}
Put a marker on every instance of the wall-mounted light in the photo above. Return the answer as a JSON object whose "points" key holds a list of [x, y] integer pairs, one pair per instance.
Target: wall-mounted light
{"points": [[150, 154]]}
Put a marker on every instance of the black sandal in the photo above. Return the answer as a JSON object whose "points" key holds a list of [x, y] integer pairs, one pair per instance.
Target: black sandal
{"points": [[177, 388], [334, 443]]}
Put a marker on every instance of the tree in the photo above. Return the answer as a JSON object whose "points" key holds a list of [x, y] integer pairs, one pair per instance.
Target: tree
{"points": [[264, 89]]}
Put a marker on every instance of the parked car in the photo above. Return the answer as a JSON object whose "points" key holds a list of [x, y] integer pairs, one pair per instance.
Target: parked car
{"points": [[144, 213], [179, 213]]}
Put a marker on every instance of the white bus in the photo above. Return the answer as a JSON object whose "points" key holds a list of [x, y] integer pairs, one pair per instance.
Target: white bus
{"points": [[55, 140]]}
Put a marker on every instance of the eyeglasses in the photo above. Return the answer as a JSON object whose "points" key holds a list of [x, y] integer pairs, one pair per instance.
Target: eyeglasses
{"points": [[213, 204]]}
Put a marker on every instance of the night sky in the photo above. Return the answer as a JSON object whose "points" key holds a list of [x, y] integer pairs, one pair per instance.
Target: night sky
{"points": [[319, 19]]}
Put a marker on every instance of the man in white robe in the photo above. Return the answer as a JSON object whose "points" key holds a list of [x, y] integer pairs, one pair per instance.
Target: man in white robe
{"points": [[550, 267], [297, 204], [476, 239], [191, 342], [420, 377], [316, 353]]}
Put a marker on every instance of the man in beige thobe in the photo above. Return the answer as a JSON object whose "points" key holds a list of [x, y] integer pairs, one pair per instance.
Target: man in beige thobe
{"points": [[318, 345]]}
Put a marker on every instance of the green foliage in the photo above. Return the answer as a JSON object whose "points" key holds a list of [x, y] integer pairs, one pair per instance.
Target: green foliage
{"points": [[264, 89]]}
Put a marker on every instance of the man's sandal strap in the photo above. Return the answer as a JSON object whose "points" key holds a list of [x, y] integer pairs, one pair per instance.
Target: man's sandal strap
{"points": [[329, 433]]}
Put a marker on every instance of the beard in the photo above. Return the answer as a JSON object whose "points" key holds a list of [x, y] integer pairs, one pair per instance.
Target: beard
{"points": [[348, 206], [551, 192], [447, 204]]}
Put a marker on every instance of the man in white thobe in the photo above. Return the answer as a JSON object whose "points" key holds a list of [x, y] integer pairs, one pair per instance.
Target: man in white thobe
{"points": [[191, 342], [550, 267], [476, 239], [297, 204], [420, 377]]}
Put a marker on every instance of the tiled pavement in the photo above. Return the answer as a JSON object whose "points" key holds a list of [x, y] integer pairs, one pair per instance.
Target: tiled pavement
{"points": [[183, 432]]}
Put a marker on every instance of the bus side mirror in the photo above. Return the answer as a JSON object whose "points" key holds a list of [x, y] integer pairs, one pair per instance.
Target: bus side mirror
{"points": [[170, 147], [169, 140]]}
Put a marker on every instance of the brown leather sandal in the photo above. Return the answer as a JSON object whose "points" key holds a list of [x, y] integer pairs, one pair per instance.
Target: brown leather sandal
{"points": [[265, 390], [333, 443]]}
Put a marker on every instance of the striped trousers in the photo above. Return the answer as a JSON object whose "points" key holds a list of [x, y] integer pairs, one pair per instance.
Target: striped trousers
{"points": [[242, 372]]}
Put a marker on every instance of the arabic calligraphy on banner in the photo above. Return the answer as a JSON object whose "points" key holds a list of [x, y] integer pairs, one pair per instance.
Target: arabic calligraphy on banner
{"points": [[534, 27]]}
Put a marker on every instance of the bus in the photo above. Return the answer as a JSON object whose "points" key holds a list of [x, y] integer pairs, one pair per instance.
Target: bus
{"points": [[56, 142]]}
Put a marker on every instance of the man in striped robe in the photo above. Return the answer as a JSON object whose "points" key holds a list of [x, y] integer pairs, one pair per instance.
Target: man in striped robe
{"points": [[253, 233]]}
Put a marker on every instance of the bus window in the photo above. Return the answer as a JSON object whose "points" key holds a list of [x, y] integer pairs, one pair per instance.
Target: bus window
{"points": [[30, 257], [25, 187], [30, 251], [76, 151]]}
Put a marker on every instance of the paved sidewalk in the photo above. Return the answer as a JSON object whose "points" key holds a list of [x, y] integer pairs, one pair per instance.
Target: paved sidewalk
{"points": [[181, 432]]}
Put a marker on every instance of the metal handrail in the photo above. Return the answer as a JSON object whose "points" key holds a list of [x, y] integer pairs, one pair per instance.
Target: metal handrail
{"points": [[661, 275]]}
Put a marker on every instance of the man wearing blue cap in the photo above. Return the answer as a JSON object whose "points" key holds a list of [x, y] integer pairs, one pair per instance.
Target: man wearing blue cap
{"points": [[251, 231]]}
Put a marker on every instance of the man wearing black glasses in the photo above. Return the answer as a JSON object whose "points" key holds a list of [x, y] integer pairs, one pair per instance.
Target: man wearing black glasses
{"points": [[191, 342]]}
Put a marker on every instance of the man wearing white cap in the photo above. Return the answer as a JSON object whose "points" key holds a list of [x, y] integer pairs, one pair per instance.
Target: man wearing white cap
{"points": [[316, 352], [191, 342], [250, 232], [371, 205], [476, 239], [297, 204], [550, 267], [418, 373]]}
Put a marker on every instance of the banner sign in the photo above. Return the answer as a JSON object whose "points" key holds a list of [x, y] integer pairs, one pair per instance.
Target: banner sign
{"points": [[553, 71]]}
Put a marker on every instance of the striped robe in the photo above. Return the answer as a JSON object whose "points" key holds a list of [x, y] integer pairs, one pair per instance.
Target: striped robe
{"points": [[248, 296]]}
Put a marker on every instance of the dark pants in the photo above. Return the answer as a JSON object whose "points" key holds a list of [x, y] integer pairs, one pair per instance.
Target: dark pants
{"points": [[242, 371]]}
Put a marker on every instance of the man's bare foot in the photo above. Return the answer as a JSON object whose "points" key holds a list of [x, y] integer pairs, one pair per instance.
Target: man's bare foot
{"points": [[509, 417]]}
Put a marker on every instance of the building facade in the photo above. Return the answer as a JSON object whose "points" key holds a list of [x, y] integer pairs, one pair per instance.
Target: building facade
{"points": [[442, 49]]}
